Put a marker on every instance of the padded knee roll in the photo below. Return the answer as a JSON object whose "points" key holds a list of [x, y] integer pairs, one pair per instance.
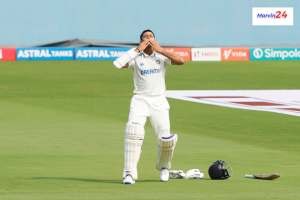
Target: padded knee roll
{"points": [[134, 136], [165, 149]]}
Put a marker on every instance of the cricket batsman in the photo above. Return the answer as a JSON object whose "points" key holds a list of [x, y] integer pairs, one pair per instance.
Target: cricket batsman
{"points": [[149, 63]]}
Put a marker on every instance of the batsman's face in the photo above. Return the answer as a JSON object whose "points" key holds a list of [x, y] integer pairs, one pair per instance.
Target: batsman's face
{"points": [[147, 36]]}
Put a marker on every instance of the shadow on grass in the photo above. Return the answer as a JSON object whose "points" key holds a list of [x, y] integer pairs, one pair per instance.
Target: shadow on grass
{"points": [[90, 180]]}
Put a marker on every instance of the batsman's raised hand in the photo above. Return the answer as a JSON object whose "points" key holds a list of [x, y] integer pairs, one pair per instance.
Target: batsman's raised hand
{"points": [[155, 45], [142, 46]]}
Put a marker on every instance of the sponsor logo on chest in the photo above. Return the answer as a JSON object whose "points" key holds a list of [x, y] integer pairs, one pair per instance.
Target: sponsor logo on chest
{"points": [[150, 71], [155, 63]]}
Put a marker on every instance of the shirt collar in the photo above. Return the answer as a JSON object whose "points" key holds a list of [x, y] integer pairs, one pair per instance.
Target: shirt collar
{"points": [[146, 55]]}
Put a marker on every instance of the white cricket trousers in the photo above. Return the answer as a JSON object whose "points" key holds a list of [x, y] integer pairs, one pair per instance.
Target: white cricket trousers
{"points": [[156, 108]]}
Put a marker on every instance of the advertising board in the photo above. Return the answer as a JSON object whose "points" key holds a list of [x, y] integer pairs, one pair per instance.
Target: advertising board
{"points": [[185, 53], [7, 53], [99, 53], [206, 54], [45, 53], [274, 53], [235, 54]]}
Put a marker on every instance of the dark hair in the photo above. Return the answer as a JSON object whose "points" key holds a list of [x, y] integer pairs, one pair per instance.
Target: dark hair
{"points": [[145, 32]]}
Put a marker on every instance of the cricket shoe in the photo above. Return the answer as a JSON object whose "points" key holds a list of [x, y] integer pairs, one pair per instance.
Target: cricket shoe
{"points": [[128, 180], [164, 175], [177, 174]]}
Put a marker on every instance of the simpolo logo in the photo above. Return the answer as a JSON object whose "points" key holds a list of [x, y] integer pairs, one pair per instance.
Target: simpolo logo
{"points": [[258, 53], [276, 53]]}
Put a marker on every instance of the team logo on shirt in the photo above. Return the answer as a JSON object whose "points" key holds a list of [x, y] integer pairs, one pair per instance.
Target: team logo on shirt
{"points": [[158, 61], [142, 64]]}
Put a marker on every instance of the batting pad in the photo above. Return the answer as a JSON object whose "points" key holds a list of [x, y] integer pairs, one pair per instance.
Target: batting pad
{"points": [[134, 136], [125, 58], [165, 149]]}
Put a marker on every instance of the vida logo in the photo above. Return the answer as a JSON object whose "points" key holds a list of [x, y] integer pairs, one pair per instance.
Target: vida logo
{"points": [[227, 53], [234, 53]]}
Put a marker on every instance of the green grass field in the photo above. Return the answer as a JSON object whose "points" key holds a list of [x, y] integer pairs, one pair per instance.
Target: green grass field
{"points": [[62, 130]]}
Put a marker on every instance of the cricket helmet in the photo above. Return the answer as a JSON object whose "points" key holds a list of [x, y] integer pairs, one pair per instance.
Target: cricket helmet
{"points": [[220, 170]]}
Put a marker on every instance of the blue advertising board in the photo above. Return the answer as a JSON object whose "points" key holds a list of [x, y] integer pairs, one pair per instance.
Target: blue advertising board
{"points": [[99, 53], [45, 53], [274, 53]]}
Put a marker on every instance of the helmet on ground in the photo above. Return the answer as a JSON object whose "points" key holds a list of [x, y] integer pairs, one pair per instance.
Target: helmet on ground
{"points": [[220, 170]]}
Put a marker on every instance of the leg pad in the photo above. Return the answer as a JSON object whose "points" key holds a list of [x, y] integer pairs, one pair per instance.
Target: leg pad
{"points": [[165, 149], [134, 136]]}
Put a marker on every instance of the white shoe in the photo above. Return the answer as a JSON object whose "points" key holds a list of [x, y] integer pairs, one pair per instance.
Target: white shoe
{"points": [[177, 174], [128, 180], [164, 175]]}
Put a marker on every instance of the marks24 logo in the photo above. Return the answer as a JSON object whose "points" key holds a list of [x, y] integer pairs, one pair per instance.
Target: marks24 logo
{"points": [[272, 16]]}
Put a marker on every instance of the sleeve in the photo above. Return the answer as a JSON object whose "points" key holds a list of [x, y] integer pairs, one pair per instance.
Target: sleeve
{"points": [[167, 61], [131, 64]]}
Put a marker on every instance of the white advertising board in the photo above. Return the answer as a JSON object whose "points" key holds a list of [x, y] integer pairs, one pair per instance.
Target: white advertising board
{"points": [[206, 54]]}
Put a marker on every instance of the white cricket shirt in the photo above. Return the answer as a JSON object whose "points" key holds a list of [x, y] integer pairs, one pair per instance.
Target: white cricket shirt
{"points": [[149, 73]]}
